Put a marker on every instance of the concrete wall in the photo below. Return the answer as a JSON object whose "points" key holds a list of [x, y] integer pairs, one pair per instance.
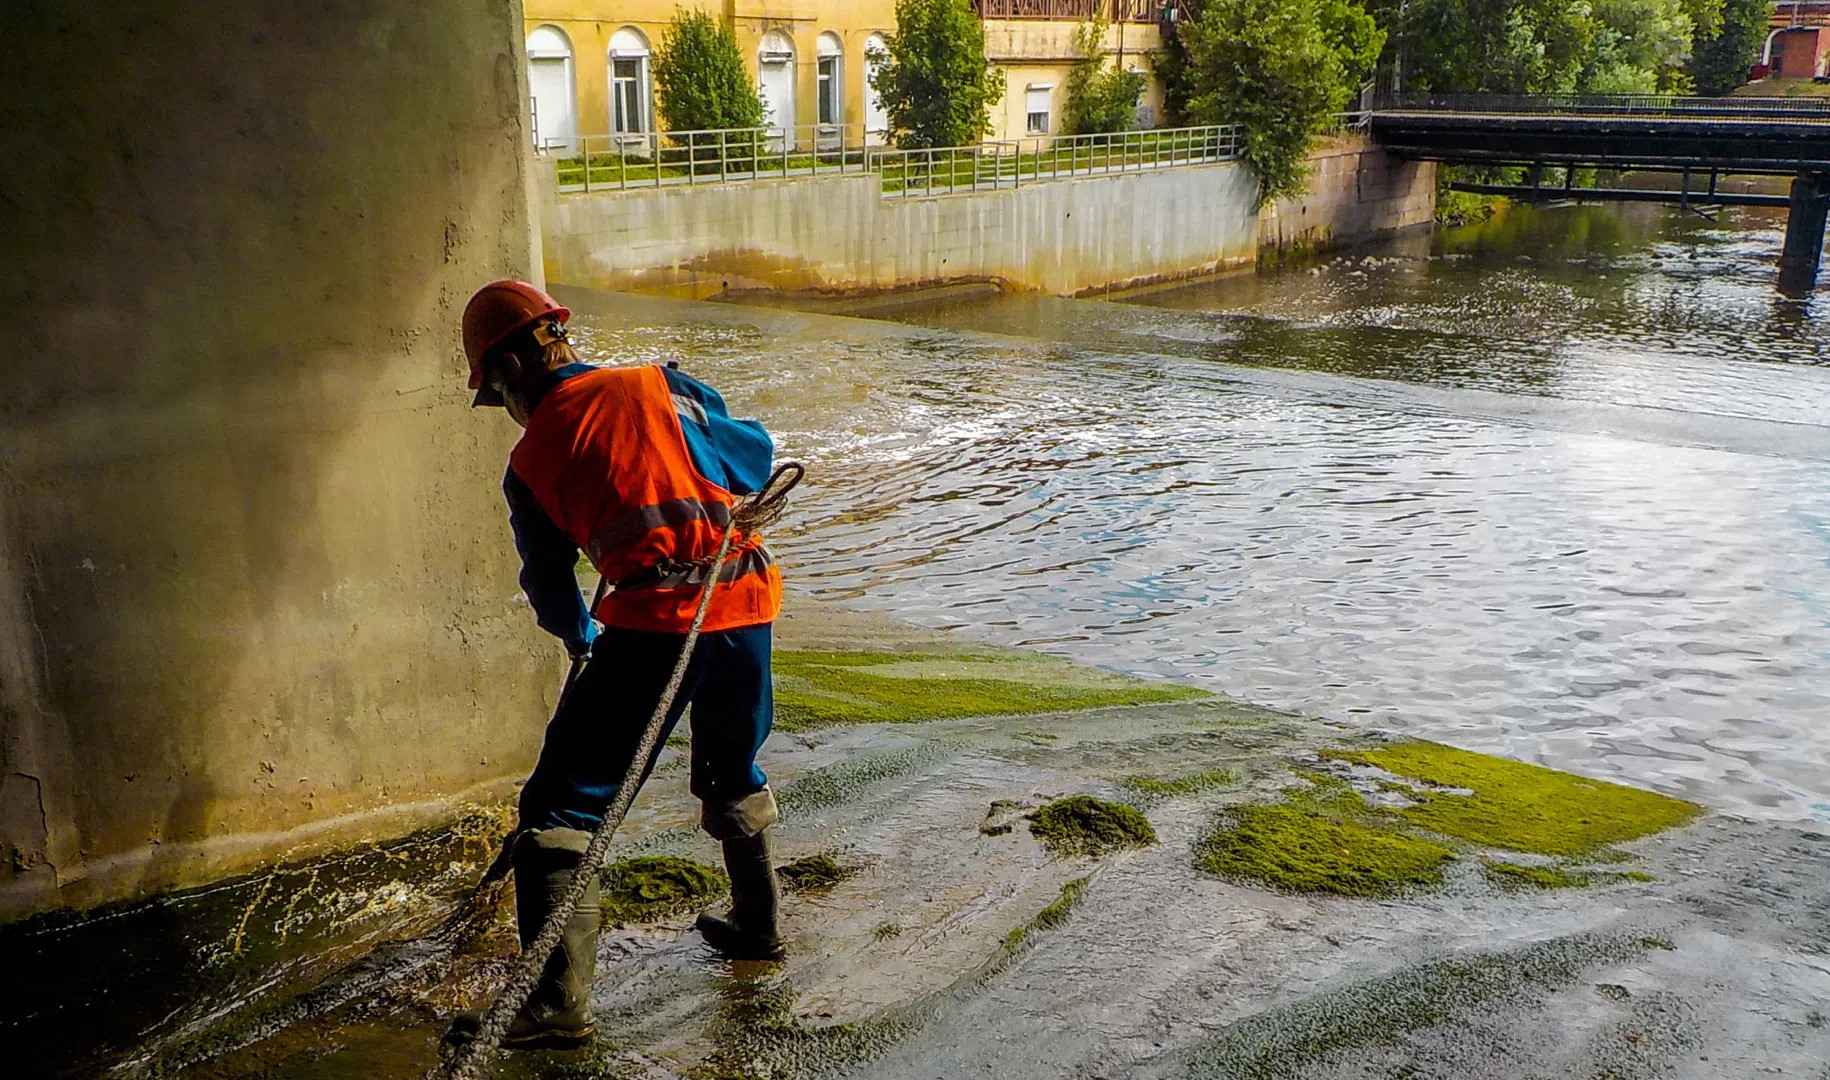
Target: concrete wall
{"points": [[841, 233], [1355, 190], [1065, 237], [256, 590]]}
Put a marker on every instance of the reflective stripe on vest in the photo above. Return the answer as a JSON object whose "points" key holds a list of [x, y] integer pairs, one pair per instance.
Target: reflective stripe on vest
{"points": [[606, 458], [632, 526], [748, 561]]}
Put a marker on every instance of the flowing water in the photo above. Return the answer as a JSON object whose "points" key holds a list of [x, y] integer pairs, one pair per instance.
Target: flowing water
{"points": [[1556, 486]]}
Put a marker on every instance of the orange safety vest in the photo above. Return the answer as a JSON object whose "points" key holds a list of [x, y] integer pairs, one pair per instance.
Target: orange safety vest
{"points": [[606, 459]]}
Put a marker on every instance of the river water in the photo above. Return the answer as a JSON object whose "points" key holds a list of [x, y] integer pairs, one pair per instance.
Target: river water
{"points": [[1555, 486]]}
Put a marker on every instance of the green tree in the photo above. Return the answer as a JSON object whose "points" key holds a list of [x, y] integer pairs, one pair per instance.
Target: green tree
{"points": [[1280, 69], [1175, 75], [1719, 61], [700, 79], [936, 86], [1099, 99], [1542, 46], [1641, 47]]}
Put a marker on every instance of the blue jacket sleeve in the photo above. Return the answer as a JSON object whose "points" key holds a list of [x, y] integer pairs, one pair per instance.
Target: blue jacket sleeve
{"points": [[734, 454], [548, 577]]}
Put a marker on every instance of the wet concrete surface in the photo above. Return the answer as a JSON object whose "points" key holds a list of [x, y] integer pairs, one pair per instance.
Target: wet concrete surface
{"points": [[931, 960]]}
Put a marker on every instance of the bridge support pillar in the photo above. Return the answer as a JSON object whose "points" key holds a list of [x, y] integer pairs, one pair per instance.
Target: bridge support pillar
{"points": [[1804, 248]]}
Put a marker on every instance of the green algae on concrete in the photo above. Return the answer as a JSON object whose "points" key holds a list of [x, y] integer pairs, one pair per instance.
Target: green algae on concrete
{"points": [[819, 871], [831, 785], [1518, 806], [650, 887], [823, 688], [1295, 848], [1334, 1025], [1176, 786], [1513, 876], [1084, 825], [1036, 738], [1050, 917], [1057, 912]]}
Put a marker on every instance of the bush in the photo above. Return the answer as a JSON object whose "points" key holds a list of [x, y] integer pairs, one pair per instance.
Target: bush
{"points": [[700, 77], [1175, 75], [935, 84], [1281, 69], [1099, 99], [1722, 55]]}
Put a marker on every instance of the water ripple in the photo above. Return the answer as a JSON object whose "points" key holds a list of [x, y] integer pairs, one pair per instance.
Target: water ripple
{"points": [[1646, 598]]}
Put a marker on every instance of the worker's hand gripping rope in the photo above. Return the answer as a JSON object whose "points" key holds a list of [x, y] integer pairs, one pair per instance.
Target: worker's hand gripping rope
{"points": [[764, 507]]}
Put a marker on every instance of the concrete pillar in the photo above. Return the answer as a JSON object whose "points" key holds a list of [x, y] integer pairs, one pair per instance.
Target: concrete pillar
{"points": [[1804, 247], [257, 596]]}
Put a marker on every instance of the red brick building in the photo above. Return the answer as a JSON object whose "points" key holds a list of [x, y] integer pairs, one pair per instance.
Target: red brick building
{"points": [[1799, 45]]}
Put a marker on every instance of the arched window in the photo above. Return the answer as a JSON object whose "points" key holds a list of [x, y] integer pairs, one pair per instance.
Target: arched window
{"points": [[631, 97], [876, 120], [549, 83], [831, 81], [775, 71]]}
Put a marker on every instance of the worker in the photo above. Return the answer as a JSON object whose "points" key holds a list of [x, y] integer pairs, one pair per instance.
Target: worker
{"points": [[640, 467]]}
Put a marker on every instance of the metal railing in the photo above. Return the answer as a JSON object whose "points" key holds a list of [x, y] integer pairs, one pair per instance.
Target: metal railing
{"points": [[654, 159], [615, 162], [1341, 123], [1808, 110], [1135, 11], [1015, 162]]}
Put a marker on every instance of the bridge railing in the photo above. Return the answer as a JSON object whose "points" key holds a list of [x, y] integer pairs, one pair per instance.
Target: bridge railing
{"points": [[1806, 110]]}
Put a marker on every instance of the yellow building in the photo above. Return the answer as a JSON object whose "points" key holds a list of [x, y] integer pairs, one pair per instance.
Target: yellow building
{"points": [[589, 70], [589, 66], [1033, 42]]}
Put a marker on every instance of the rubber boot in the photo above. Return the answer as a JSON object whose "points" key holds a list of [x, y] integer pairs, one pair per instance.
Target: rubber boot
{"points": [[749, 932], [558, 1013]]}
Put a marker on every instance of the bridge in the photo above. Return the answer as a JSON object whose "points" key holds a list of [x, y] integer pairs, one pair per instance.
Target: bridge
{"points": [[1700, 140]]}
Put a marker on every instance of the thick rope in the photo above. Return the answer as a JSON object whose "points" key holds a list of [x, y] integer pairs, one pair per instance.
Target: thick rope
{"points": [[472, 907], [468, 1062]]}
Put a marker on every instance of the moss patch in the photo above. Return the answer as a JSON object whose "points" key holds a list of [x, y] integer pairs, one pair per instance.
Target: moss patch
{"points": [[1084, 825], [813, 872], [1296, 848], [1513, 876], [1518, 806], [1331, 795], [650, 887], [818, 689], [1053, 915], [1180, 785]]}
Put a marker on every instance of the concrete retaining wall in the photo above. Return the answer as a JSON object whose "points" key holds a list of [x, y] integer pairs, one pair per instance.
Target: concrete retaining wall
{"points": [[840, 233], [257, 595], [1067, 237], [1356, 190]]}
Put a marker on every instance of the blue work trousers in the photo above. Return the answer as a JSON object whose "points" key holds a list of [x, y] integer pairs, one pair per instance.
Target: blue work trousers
{"points": [[593, 736]]}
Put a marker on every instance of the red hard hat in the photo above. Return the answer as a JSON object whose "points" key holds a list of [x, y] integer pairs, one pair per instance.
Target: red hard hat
{"points": [[496, 311]]}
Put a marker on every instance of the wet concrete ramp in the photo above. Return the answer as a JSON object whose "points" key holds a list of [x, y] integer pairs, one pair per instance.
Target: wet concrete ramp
{"points": [[947, 918]]}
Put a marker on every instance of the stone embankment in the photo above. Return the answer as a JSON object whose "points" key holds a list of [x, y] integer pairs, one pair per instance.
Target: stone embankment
{"points": [[1000, 863]]}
